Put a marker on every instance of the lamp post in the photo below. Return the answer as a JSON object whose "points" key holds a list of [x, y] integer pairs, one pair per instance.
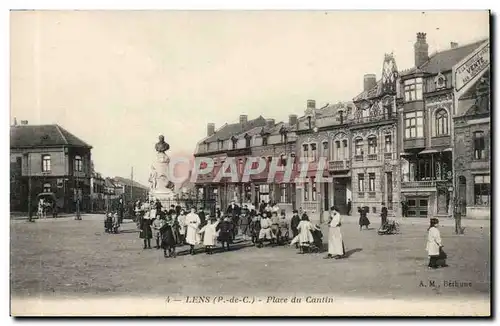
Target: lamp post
{"points": [[30, 208]]}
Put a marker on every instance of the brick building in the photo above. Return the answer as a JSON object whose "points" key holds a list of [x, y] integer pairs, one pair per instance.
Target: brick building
{"points": [[425, 107], [323, 133], [54, 160], [472, 133], [373, 131]]}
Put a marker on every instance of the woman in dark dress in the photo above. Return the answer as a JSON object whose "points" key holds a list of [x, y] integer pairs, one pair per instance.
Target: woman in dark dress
{"points": [[168, 240], [146, 232], [363, 219]]}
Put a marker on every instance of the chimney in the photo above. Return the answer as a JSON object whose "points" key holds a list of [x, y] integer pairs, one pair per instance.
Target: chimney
{"points": [[292, 119], [269, 123], [243, 119], [311, 104], [421, 49], [453, 45], [210, 129], [24, 122], [369, 81]]}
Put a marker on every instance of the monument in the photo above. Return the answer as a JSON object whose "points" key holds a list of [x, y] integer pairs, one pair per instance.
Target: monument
{"points": [[160, 187]]}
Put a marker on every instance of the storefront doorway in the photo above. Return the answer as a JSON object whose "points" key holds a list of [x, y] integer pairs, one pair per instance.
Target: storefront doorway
{"points": [[418, 206]]}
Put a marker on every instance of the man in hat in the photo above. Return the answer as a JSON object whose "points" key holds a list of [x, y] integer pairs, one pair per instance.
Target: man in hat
{"points": [[335, 242], [294, 223]]}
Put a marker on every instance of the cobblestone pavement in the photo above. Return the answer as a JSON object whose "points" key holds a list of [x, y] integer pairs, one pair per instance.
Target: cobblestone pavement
{"points": [[66, 258]]}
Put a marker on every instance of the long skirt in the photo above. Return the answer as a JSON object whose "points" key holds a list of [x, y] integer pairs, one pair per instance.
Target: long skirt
{"points": [[266, 234], [146, 233], [225, 236], [335, 243], [167, 239], [192, 236], [363, 220]]}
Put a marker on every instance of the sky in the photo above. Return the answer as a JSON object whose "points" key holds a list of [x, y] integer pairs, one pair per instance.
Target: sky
{"points": [[119, 79]]}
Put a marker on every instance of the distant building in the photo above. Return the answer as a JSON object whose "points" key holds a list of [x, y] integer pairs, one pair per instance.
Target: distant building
{"points": [[130, 190], [55, 160], [97, 193]]}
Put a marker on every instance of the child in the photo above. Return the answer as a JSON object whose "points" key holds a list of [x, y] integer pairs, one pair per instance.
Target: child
{"points": [[225, 229], [209, 234], [255, 228], [437, 257], [275, 227], [305, 233], [108, 222], [167, 237], [116, 223], [283, 229], [265, 230], [157, 224]]}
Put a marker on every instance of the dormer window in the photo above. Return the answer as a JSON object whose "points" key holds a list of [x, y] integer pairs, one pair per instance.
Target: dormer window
{"points": [[264, 140], [440, 81], [234, 141], [309, 125]]}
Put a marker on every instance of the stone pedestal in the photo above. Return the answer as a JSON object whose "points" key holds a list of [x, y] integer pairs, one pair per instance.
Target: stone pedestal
{"points": [[159, 186]]}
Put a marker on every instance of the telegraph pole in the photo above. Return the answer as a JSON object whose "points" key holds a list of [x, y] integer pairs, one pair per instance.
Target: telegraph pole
{"points": [[132, 185], [30, 212]]}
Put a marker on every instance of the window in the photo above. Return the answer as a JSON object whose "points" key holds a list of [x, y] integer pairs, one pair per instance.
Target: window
{"points": [[482, 190], [414, 124], [361, 182], [324, 149], [235, 141], [247, 140], [46, 187], [413, 89], [306, 190], [372, 145], [264, 193], [78, 163], [282, 160], [305, 151], [313, 188], [220, 143], [388, 143], [358, 146], [264, 140], [346, 150], [441, 123], [46, 163], [338, 153], [285, 193], [479, 146], [371, 182], [312, 158]]}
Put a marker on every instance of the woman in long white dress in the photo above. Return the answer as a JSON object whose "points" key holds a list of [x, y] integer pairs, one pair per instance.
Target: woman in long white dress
{"points": [[335, 242], [435, 245], [192, 236]]}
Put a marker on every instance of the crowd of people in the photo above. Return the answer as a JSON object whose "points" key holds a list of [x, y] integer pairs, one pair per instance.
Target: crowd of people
{"points": [[266, 224]]}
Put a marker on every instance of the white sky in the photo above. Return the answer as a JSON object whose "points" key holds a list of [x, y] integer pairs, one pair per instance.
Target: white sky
{"points": [[119, 79]]}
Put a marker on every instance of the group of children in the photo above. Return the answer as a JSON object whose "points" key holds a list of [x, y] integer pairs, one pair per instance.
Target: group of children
{"points": [[112, 223]]}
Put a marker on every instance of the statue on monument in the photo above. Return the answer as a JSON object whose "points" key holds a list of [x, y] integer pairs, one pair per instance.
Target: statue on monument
{"points": [[153, 177], [161, 147]]}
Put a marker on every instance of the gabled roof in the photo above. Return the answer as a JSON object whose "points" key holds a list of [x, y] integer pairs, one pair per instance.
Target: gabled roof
{"points": [[445, 60], [375, 91], [109, 183], [28, 136], [128, 182], [229, 130]]}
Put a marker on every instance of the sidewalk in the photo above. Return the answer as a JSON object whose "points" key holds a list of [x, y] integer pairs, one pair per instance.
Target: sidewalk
{"points": [[375, 219]]}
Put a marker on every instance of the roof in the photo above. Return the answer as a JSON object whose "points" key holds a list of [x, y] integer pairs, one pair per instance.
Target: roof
{"points": [[445, 60], [375, 91], [229, 130], [128, 182], [28, 136], [109, 183]]}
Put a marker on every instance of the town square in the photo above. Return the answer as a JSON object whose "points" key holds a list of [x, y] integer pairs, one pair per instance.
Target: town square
{"points": [[251, 158]]}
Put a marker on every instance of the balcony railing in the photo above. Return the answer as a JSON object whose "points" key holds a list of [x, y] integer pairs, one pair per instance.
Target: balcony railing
{"points": [[361, 194], [380, 117], [372, 194], [421, 184], [358, 158], [388, 156], [372, 157], [338, 165]]}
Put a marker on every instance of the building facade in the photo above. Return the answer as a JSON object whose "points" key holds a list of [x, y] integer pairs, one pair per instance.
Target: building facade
{"points": [[373, 131], [49, 159], [472, 132], [425, 107], [323, 141]]}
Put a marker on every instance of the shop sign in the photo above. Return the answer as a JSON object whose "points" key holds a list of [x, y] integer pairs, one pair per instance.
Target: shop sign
{"points": [[472, 67]]}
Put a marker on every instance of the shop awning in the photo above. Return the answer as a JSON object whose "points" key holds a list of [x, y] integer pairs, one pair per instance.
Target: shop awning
{"points": [[447, 149], [404, 154], [428, 151]]}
